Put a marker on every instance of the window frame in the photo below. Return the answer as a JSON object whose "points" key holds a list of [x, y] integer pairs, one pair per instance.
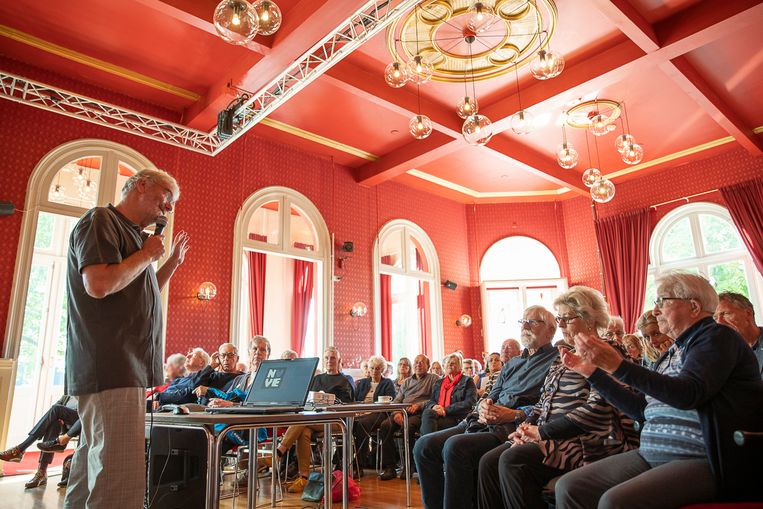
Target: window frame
{"points": [[409, 229], [286, 197]]}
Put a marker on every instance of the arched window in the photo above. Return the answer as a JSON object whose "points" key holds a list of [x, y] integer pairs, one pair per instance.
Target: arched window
{"points": [[701, 237], [516, 272], [407, 299], [281, 274], [66, 183]]}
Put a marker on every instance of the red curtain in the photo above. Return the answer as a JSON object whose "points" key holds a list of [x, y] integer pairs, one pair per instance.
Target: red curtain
{"points": [[423, 306], [385, 297], [303, 294], [257, 263], [744, 203], [624, 247]]}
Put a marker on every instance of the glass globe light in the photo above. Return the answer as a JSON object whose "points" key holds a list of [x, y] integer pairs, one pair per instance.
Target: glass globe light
{"points": [[599, 125], [395, 75], [522, 122], [622, 140], [235, 21], [419, 70], [477, 130], [547, 65], [567, 156], [467, 107], [58, 193], [79, 178], [268, 15], [420, 126], [359, 309], [591, 176], [481, 17], [464, 320], [633, 153], [603, 191]]}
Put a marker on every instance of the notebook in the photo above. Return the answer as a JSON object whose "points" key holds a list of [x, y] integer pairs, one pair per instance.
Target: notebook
{"points": [[279, 386]]}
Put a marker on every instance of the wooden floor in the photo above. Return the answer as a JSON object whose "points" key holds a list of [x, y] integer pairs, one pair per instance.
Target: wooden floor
{"points": [[375, 494]]}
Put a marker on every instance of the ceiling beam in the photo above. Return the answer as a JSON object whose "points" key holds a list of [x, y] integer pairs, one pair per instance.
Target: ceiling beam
{"points": [[693, 83], [300, 30], [702, 24]]}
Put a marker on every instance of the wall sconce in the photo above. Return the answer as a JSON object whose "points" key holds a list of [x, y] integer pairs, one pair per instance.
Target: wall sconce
{"points": [[450, 285], [359, 309], [464, 321], [345, 252], [207, 291]]}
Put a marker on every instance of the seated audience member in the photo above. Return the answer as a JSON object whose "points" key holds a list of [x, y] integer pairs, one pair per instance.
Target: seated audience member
{"points": [[404, 370], [368, 390], [235, 392], [453, 397], [365, 373], [436, 369], [347, 376], [510, 348], [656, 341], [706, 387], [615, 329], [174, 368], [477, 372], [494, 366], [289, 354], [196, 360], [447, 461], [736, 311], [331, 381], [241, 367], [217, 374], [632, 345], [468, 367], [570, 426], [415, 392], [48, 429]]}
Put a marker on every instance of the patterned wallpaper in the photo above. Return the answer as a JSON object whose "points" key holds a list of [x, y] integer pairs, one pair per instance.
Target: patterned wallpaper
{"points": [[214, 188]]}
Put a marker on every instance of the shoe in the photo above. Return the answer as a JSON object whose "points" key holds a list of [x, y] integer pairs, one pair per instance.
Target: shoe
{"points": [[65, 471], [51, 446], [297, 485], [40, 478], [388, 474], [402, 472], [13, 454]]}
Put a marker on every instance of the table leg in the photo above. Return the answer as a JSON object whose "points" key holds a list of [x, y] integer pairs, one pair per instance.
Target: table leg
{"points": [[327, 474], [252, 486], [407, 466], [212, 467]]}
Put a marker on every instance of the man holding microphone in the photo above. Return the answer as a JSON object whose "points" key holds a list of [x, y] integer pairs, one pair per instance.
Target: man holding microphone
{"points": [[114, 336]]}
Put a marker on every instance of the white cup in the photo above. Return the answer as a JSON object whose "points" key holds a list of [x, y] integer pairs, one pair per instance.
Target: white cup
{"points": [[384, 399]]}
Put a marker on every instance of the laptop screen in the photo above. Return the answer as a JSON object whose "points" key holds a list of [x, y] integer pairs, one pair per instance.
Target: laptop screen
{"points": [[282, 382]]}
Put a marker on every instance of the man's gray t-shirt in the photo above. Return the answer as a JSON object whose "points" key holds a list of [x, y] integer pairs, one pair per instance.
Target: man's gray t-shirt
{"points": [[111, 342]]}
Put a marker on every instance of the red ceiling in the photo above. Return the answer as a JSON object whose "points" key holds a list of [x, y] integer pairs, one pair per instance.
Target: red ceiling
{"points": [[688, 71]]}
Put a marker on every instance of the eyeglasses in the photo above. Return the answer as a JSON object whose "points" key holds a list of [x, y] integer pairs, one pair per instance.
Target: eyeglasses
{"points": [[228, 355], [660, 301], [531, 323], [613, 335], [566, 319]]}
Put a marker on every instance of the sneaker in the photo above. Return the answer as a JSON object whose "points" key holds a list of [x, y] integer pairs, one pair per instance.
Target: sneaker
{"points": [[297, 485], [40, 478], [13, 454], [51, 446], [388, 474]]}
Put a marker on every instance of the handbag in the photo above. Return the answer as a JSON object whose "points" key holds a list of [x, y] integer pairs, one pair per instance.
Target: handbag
{"points": [[353, 490], [313, 491]]}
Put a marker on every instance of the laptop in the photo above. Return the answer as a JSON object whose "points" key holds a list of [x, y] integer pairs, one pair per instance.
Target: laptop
{"points": [[279, 386]]}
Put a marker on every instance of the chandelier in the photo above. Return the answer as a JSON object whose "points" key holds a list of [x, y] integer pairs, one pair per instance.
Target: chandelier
{"points": [[238, 21], [467, 41]]}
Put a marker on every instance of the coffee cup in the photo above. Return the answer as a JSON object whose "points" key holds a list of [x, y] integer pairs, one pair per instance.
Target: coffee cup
{"points": [[384, 399]]}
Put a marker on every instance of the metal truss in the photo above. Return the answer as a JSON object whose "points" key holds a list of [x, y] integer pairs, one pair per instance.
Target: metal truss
{"points": [[367, 21], [39, 95]]}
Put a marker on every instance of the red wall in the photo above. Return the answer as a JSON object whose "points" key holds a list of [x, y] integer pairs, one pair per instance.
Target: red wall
{"points": [[212, 192]]}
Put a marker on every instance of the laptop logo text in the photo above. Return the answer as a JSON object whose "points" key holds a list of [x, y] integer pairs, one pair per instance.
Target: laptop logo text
{"points": [[274, 378]]}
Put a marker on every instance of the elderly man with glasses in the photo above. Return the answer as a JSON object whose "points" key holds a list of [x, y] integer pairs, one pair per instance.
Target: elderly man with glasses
{"points": [[736, 311], [448, 460], [705, 387]]}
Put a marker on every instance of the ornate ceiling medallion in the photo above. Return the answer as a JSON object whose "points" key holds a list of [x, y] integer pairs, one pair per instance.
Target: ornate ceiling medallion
{"points": [[593, 114], [504, 33]]}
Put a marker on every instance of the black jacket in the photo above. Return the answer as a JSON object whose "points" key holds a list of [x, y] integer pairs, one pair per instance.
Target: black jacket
{"points": [[720, 379], [461, 400], [386, 387]]}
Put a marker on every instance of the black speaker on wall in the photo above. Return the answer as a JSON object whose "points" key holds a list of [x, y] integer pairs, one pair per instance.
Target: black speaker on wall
{"points": [[177, 469], [6, 208]]}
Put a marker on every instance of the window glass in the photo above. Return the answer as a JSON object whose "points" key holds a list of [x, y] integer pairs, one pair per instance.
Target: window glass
{"points": [[301, 233], [718, 235], [729, 277], [679, 242], [264, 225], [76, 183], [515, 258], [392, 249], [417, 260], [125, 172]]}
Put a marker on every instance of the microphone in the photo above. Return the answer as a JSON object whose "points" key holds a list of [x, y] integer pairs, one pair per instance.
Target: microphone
{"points": [[161, 222]]}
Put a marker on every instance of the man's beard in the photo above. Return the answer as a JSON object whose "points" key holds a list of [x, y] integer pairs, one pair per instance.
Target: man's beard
{"points": [[527, 339]]}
